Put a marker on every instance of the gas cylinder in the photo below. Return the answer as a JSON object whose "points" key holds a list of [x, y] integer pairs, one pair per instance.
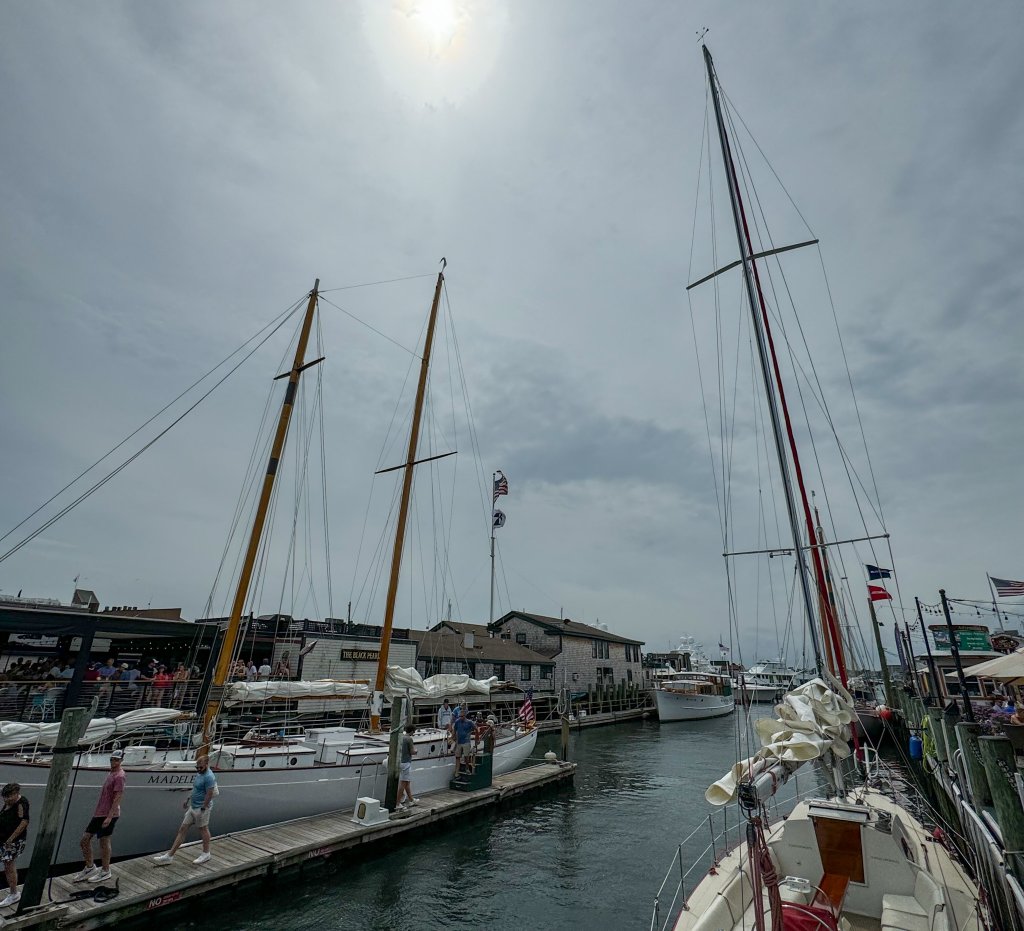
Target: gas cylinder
{"points": [[916, 747]]}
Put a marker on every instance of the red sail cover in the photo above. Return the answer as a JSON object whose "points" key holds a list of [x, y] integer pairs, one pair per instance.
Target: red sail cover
{"points": [[807, 918]]}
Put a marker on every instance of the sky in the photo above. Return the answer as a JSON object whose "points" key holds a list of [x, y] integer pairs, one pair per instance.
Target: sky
{"points": [[175, 176]]}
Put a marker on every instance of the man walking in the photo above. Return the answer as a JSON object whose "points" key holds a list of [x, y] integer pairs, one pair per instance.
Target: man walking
{"points": [[197, 813], [104, 819], [13, 828]]}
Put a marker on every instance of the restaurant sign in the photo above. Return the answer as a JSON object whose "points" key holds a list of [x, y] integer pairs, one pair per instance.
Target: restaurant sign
{"points": [[969, 638], [365, 655]]}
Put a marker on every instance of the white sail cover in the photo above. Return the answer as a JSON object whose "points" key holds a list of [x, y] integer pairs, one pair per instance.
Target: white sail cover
{"points": [[399, 681], [812, 719], [409, 682], [14, 734]]}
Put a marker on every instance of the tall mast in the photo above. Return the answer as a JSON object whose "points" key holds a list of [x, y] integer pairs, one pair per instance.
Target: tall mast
{"points": [[752, 286], [377, 705], [227, 649]]}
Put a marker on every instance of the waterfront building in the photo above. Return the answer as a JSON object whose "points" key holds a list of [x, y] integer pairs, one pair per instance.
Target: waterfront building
{"points": [[582, 656]]}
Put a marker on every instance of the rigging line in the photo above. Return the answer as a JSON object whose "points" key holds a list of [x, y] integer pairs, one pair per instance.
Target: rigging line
{"points": [[371, 284], [732, 108], [323, 473], [95, 487], [349, 313], [481, 474], [279, 320], [819, 394], [849, 378]]}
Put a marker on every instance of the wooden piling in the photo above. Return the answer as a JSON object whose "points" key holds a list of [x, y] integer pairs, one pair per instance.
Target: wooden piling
{"points": [[967, 737], [1001, 766]]}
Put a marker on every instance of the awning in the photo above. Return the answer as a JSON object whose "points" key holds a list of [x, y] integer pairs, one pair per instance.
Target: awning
{"points": [[1006, 668]]}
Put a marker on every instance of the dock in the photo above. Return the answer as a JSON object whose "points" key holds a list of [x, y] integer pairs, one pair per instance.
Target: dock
{"points": [[260, 853]]}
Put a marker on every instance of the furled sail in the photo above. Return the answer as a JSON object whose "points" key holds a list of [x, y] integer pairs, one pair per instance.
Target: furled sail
{"points": [[812, 719], [15, 734], [400, 681]]}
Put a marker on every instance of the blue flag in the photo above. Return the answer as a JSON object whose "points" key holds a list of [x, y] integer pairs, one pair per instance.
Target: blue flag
{"points": [[875, 573]]}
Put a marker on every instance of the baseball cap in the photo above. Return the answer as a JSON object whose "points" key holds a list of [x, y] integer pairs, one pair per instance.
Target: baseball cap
{"points": [[117, 755], [124, 665]]}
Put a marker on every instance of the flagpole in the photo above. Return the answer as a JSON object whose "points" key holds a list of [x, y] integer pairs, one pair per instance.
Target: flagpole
{"points": [[494, 481], [995, 607], [954, 651], [936, 688]]}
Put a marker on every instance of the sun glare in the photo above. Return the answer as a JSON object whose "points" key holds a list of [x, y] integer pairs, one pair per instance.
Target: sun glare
{"points": [[439, 21], [435, 51]]}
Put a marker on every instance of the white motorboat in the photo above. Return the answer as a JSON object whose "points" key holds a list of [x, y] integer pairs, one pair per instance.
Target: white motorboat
{"points": [[692, 696], [766, 681]]}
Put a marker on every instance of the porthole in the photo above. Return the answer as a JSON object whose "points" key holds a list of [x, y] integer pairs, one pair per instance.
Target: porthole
{"points": [[293, 761], [433, 748], [263, 762]]}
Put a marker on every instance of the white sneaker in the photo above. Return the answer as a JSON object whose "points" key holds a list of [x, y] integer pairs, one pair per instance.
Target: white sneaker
{"points": [[12, 898], [83, 875], [99, 875], [163, 859], [413, 801], [202, 858]]}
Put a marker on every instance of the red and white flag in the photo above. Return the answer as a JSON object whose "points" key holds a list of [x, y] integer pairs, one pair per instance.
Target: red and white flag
{"points": [[877, 593], [526, 712]]}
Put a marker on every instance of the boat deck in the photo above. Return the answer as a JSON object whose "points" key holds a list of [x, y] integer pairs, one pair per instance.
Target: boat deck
{"points": [[146, 887]]}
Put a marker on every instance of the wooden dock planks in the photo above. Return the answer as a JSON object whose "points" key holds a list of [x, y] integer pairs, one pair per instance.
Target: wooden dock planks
{"points": [[146, 887]]}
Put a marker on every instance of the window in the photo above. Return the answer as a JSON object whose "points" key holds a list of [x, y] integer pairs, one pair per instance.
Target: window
{"points": [[601, 649], [524, 672], [593, 648], [505, 635], [520, 638], [547, 672], [499, 671], [629, 675]]}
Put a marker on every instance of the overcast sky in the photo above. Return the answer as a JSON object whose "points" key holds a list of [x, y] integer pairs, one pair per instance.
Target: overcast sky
{"points": [[173, 176]]}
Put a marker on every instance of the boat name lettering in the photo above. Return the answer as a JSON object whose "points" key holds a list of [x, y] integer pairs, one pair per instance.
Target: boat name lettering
{"points": [[171, 780], [373, 655], [164, 899]]}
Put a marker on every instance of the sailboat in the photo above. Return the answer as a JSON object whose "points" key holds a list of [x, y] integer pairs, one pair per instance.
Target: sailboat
{"points": [[849, 857], [264, 776]]}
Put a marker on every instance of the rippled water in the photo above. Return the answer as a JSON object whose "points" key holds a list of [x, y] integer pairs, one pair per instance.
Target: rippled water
{"points": [[587, 858]]}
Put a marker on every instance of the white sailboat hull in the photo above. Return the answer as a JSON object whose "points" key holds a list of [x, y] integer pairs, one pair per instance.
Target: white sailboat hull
{"points": [[249, 798], [673, 706]]}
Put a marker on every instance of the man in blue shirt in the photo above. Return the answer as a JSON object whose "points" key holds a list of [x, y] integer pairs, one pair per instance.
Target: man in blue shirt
{"points": [[465, 731], [197, 813]]}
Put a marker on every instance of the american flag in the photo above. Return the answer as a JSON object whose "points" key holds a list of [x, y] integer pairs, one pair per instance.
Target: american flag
{"points": [[526, 712], [500, 486], [1007, 588], [877, 593]]}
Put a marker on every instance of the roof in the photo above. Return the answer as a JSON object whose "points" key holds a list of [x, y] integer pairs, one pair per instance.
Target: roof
{"points": [[565, 626], [479, 630], [445, 645], [71, 623]]}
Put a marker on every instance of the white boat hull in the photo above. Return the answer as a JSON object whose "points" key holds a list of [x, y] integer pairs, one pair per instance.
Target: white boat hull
{"points": [[249, 798], [674, 706], [757, 693]]}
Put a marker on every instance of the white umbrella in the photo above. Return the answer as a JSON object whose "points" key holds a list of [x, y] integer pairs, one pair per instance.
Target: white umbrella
{"points": [[1008, 668]]}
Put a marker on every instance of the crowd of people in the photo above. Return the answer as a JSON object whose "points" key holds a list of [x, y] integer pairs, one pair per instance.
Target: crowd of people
{"points": [[246, 670]]}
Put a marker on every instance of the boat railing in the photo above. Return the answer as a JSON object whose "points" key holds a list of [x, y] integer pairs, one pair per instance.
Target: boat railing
{"points": [[686, 869]]}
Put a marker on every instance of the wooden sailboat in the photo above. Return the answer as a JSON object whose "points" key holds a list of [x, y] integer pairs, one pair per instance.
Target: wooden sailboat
{"points": [[851, 858], [264, 780]]}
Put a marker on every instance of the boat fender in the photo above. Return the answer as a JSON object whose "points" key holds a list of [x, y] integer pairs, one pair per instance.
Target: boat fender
{"points": [[916, 748]]}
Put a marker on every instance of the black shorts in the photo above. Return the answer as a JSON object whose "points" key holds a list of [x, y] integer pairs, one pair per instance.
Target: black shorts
{"points": [[96, 828]]}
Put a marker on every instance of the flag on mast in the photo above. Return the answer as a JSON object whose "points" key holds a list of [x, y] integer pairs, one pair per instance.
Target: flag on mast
{"points": [[874, 572], [722, 647], [877, 593], [498, 519], [1007, 588], [500, 485]]}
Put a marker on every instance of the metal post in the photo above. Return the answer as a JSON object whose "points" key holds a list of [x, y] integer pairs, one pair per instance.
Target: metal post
{"points": [[954, 649], [73, 723], [995, 606], [937, 685], [886, 680]]}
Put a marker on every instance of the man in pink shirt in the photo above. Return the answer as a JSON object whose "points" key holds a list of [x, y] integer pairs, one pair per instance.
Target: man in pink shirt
{"points": [[104, 818]]}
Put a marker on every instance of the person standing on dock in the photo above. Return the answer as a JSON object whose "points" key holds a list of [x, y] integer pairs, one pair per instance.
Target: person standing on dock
{"points": [[465, 731], [444, 716], [407, 750], [197, 812], [13, 828], [104, 819]]}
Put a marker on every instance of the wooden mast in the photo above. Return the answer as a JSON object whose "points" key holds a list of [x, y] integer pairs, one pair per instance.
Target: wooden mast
{"points": [[377, 705], [227, 648]]}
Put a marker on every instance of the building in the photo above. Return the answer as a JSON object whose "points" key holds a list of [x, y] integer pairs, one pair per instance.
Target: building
{"points": [[451, 647], [583, 656]]}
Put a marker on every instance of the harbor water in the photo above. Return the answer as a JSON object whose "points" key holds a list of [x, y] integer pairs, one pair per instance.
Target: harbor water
{"points": [[589, 858]]}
